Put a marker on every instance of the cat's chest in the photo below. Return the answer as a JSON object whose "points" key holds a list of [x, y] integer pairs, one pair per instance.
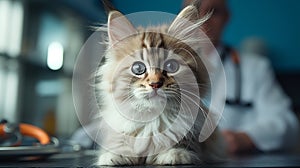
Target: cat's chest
{"points": [[129, 126]]}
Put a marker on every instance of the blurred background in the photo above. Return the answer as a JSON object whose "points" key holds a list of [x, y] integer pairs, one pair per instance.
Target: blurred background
{"points": [[40, 40]]}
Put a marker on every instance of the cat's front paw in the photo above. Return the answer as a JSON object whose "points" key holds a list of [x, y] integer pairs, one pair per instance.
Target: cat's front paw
{"points": [[110, 159], [176, 157]]}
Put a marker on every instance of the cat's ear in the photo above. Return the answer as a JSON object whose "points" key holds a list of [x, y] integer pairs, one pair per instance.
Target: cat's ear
{"points": [[190, 13], [187, 22], [119, 27]]}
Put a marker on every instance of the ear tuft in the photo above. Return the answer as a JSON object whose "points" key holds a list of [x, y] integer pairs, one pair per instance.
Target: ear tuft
{"points": [[187, 25], [188, 14]]}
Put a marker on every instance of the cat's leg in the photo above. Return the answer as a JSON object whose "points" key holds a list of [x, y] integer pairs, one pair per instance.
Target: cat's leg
{"points": [[110, 159], [175, 156]]}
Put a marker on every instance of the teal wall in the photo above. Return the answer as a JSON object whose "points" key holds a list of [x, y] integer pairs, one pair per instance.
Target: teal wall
{"points": [[277, 22], [130, 6]]}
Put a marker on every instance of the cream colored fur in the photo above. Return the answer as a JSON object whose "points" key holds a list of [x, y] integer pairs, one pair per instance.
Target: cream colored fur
{"points": [[169, 143]]}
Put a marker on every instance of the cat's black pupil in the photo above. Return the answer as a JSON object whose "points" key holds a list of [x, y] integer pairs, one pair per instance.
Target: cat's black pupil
{"points": [[138, 68], [171, 66]]}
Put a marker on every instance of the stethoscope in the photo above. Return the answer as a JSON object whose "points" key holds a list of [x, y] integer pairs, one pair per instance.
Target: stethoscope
{"points": [[235, 59], [14, 142]]}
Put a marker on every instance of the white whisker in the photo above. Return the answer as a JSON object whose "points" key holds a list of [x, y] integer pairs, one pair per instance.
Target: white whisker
{"points": [[204, 112]]}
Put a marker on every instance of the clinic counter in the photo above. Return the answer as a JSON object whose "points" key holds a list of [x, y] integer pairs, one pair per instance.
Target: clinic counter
{"points": [[87, 158]]}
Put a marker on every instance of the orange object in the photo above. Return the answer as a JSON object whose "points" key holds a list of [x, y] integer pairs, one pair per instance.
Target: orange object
{"points": [[235, 57], [31, 131], [2, 129]]}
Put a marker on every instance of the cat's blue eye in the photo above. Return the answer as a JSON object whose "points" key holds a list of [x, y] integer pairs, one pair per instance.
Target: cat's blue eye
{"points": [[138, 68], [171, 66]]}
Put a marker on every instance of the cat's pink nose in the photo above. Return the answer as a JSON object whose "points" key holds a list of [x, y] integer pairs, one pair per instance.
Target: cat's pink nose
{"points": [[156, 85]]}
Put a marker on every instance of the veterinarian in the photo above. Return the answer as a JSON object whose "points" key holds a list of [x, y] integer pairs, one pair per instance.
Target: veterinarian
{"points": [[257, 114]]}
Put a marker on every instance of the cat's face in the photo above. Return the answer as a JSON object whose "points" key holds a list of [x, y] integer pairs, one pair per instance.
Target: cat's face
{"points": [[151, 68]]}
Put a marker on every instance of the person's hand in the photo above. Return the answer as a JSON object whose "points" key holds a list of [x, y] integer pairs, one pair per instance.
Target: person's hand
{"points": [[238, 142]]}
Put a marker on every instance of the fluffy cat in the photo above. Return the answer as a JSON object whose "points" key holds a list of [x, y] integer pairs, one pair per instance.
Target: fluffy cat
{"points": [[152, 85]]}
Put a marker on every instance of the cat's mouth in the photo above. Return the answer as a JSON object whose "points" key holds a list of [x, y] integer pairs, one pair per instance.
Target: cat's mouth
{"points": [[156, 93]]}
